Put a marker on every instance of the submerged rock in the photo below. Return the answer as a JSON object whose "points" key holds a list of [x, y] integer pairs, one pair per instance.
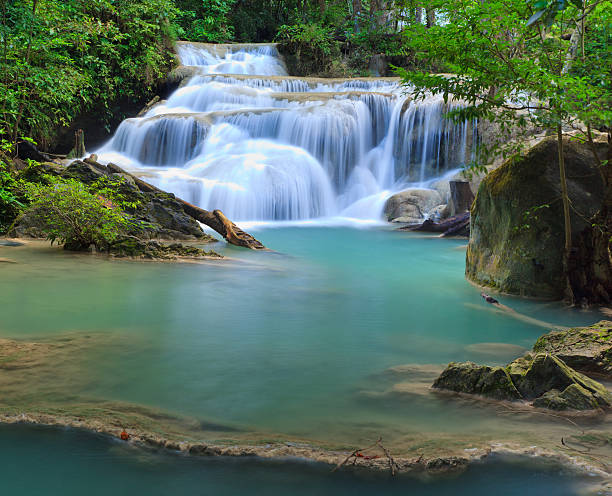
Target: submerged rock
{"points": [[154, 250], [587, 349], [543, 378], [517, 234]]}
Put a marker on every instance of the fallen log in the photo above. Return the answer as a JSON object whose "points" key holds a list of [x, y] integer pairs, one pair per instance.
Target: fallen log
{"points": [[215, 220], [448, 227]]}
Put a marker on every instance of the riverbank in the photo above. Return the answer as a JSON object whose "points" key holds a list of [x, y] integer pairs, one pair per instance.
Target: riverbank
{"points": [[334, 458]]}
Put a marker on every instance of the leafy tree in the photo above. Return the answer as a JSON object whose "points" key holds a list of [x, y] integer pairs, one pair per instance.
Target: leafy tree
{"points": [[60, 58], [510, 64]]}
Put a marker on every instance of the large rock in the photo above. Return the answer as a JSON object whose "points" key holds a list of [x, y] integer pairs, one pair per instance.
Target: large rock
{"points": [[517, 234], [587, 349], [467, 377], [412, 205], [541, 378], [547, 372], [573, 397], [162, 216]]}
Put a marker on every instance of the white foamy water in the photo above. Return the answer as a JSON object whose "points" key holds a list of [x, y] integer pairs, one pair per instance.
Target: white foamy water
{"points": [[244, 137]]}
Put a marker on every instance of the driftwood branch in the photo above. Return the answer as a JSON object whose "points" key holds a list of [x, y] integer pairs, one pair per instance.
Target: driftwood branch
{"points": [[446, 227], [393, 466], [215, 219], [359, 453]]}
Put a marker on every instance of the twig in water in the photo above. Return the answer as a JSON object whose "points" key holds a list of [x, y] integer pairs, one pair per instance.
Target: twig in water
{"points": [[355, 454], [393, 466], [358, 453]]}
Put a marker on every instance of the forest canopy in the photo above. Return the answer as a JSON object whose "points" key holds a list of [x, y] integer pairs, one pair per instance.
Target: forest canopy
{"points": [[62, 58]]}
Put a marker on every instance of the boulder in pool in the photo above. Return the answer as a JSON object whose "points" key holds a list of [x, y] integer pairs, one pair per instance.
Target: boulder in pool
{"points": [[547, 372], [470, 378], [411, 206], [586, 349], [542, 378]]}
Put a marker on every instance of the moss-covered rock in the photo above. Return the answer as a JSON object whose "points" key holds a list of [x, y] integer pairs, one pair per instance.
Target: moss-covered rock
{"points": [[468, 377], [587, 349], [517, 235], [543, 378], [159, 215], [548, 372]]}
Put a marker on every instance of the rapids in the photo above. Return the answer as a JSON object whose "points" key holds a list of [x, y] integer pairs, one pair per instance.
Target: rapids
{"points": [[244, 137]]}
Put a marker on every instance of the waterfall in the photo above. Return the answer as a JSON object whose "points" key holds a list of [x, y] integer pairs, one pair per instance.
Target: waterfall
{"points": [[243, 136]]}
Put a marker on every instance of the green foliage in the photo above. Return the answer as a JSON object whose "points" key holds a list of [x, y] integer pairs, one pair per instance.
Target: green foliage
{"points": [[11, 192], [317, 36], [205, 20], [59, 58], [530, 215], [508, 71], [10, 205], [72, 214], [312, 45]]}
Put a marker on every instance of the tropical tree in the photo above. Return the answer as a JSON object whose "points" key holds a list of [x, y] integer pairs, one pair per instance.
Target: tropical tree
{"points": [[512, 63]]}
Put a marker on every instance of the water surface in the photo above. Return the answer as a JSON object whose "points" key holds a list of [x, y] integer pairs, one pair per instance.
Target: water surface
{"points": [[298, 341]]}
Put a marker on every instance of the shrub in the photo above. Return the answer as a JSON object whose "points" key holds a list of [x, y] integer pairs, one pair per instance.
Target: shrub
{"points": [[73, 215]]}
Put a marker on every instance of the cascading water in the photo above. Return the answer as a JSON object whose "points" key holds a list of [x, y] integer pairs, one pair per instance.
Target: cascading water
{"points": [[244, 137]]}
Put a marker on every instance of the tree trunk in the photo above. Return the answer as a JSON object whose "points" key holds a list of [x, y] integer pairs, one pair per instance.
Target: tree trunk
{"points": [[321, 7], [379, 12], [357, 8], [461, 197], [79, 145], [431, 16], [418, 17], [567, 249]]}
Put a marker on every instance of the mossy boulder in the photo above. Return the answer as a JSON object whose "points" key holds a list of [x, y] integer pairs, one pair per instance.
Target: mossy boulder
{"points": [[573, 397], [547, 372], [470, 378], [587, 349], [517, 232], [541, 378]]}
